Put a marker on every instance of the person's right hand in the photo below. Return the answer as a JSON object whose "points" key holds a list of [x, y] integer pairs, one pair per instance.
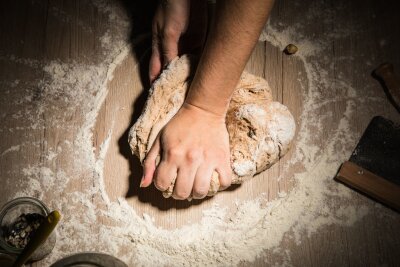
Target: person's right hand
{"points": [[189, 154], [173, 19]]}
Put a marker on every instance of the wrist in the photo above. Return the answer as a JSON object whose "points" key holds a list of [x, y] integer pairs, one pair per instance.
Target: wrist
{"points": [[207, 100], [203, 113], [216, 108], [211, 90]]}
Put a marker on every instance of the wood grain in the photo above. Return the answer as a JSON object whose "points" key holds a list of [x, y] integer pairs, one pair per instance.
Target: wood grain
{"points": [[70, 31]]}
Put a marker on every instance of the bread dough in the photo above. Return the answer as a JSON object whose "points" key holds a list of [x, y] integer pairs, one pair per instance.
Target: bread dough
{"points": [[260, 130]]}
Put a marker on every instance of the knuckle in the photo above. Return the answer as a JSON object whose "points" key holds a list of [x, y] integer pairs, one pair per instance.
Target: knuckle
{"points": [[193, 156], [170, 33], [174, 152]]}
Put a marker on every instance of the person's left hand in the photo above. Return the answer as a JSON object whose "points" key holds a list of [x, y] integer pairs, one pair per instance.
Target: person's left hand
{"points": [[179, 27], [192, 145]]}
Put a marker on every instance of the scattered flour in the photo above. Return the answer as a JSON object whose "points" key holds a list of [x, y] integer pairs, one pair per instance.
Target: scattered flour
{"points": [[250, 111], [11, 149], [241, 168], [222, 237]]}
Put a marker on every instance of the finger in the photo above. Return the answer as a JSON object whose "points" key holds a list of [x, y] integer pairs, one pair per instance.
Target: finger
{"points": [[184, 182], [149, 165], [169, 44], [176, 23], [202, 180], [165, 174], [225, 177], [155, 59]]}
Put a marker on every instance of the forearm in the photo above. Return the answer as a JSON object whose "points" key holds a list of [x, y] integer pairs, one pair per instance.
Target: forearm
{"points": [[231, 40]]}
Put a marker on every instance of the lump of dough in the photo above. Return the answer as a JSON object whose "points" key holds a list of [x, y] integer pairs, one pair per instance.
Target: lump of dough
{"points": [[260, 130]]}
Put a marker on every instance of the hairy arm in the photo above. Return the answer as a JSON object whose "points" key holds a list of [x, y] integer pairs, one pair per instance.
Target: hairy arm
{"points": [[232, 38]]}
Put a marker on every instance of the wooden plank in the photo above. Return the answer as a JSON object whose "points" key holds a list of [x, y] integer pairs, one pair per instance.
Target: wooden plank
{"points": [[70, 31]]}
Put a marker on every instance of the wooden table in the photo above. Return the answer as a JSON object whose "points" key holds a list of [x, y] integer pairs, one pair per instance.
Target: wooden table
{"points": [[41, 31]]}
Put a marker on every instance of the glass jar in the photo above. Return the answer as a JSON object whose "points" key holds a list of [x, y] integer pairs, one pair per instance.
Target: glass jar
{"points": [[8, 215]]}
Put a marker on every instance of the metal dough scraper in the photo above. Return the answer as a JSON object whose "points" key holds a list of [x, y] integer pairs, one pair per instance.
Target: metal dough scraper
{"points": [[374, 166]]}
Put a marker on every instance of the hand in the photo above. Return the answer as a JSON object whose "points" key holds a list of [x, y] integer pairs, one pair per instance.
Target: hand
{"points": [[193, 144], [174, 19]]}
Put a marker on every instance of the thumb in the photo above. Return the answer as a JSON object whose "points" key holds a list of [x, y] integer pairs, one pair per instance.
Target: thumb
{"points": [[150, 164]]}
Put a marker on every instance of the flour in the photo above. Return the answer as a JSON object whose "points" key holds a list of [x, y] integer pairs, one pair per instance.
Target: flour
{"points": [[41, 181], [11, 149], [99, 165], [275, 126], [223, 236], [252, 111], [243, 167]]}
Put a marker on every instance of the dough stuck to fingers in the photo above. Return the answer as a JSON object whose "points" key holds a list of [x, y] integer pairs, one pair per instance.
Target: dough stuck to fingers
{"points": [[260, 129]]}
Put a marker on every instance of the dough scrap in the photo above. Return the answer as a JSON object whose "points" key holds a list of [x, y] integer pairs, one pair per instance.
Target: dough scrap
{"points": [[260, 130]]}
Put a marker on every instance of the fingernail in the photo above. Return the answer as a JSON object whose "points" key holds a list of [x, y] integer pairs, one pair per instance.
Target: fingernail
{"points": [[141, 181]]}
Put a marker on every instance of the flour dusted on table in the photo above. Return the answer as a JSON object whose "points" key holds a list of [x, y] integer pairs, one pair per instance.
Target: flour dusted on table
{"points": [[225, 235]]}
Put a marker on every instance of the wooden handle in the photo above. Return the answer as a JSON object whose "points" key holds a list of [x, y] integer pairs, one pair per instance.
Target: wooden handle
{"points": [[387, 75], [365, 181]]}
